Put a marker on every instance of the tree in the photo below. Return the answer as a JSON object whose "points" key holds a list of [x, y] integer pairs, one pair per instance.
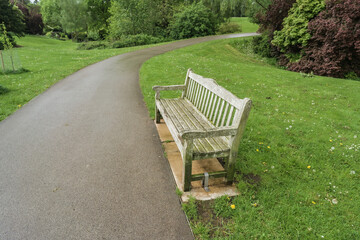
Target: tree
{"points": [[294, 35], [334, 49], [51, 14], [12, 18], [73, 16], [99, 15], [194, 21], [32, 17], [131, 17]]}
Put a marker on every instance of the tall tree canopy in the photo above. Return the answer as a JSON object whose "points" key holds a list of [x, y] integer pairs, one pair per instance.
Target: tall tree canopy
{"points": [[12, 18]]}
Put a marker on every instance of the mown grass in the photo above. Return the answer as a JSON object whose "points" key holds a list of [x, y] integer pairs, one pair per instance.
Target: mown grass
{"points": [[298, 167], [47, 61], [245, 24]]}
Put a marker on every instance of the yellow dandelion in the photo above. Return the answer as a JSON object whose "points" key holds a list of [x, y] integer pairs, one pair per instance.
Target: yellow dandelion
{"points": [[265, 170], [330, 140], [309, 167], [254, 205], [268, 147], [257, 150], [232, 206], [261, 143], [313, 202], [19, 105], [264, 163], [341, 144]]}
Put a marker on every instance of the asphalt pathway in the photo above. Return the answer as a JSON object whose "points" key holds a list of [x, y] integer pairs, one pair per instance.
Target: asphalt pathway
{"points": [[83, 160]]}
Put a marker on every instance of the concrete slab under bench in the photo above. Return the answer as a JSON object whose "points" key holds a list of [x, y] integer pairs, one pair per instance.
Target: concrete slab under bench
{"points": [[217, 186]]}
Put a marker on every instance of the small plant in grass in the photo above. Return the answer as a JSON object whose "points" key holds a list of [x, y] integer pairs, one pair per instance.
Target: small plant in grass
{"points": [[178, 192], [190, 209], [201, 231], [223, 207]]}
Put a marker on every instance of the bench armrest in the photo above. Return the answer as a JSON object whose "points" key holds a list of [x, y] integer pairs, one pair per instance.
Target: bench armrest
{"points": [[168, 88], [215, 132]]}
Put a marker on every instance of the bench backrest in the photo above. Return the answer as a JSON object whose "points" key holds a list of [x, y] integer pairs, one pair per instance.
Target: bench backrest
{"points": [[216, 103]]}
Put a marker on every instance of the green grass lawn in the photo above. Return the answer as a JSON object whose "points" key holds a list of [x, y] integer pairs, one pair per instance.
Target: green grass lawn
{"points": [[48, 61], [245, 24], [298, 167]]}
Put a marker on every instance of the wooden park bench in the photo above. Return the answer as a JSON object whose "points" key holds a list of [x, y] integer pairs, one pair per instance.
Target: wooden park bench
{"points": [[207, 121]]}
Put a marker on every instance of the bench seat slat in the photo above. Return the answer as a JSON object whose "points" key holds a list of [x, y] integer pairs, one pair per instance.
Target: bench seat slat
{"points": [[191, 120]]}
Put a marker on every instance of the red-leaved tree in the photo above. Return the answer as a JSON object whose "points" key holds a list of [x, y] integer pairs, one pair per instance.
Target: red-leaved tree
{"points": [[334, 49]]}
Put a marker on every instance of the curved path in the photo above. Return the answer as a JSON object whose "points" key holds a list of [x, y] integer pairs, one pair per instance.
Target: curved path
{"points": [[83, 160]]}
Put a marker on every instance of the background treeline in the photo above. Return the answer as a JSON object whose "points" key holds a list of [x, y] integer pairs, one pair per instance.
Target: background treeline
{"points": [[312, 36], [127, 20]]}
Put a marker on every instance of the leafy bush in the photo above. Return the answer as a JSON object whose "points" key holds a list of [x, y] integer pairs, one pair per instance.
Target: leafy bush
{"points": [[93, 45], [32, 17], [136, 40], [273, 19], [80, 37], [334, 49], [195, 20], [229, 27], [294, 34], [56, 35], [263, 47]]}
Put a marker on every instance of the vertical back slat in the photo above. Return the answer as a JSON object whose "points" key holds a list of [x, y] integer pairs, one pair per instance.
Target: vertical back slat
{"points": [[196, 89], [202, 98], [190, 86], [220, 113], [230, 116], [216, 98], [201, 89], [209, 105], [205, 102], [225, 114], [217, 110]]}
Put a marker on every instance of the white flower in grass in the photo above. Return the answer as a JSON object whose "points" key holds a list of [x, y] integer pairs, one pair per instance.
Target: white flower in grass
{"points": [[355, 136], [334, 201], [352, 172]]}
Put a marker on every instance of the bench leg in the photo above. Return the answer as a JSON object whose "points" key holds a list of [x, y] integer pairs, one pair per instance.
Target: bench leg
{"points": [[157, 115], [187, 162], [230, 168]]}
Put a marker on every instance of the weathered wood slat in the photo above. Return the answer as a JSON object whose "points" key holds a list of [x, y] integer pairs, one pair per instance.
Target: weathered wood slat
{"points": [[219, 174], [207, 121], [190, 90], [218, 90], [209, 105], [210, 145], [230, 116], [220, 114], [225, 114], [217, 143]]}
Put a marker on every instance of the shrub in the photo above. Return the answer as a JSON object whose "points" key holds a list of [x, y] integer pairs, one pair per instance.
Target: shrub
{"points": [[294, 34], [263, 47], [229, 27], [136, 40], [334, 49], [274, 16], [194, 20], [79, 37], [92, 45]]}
